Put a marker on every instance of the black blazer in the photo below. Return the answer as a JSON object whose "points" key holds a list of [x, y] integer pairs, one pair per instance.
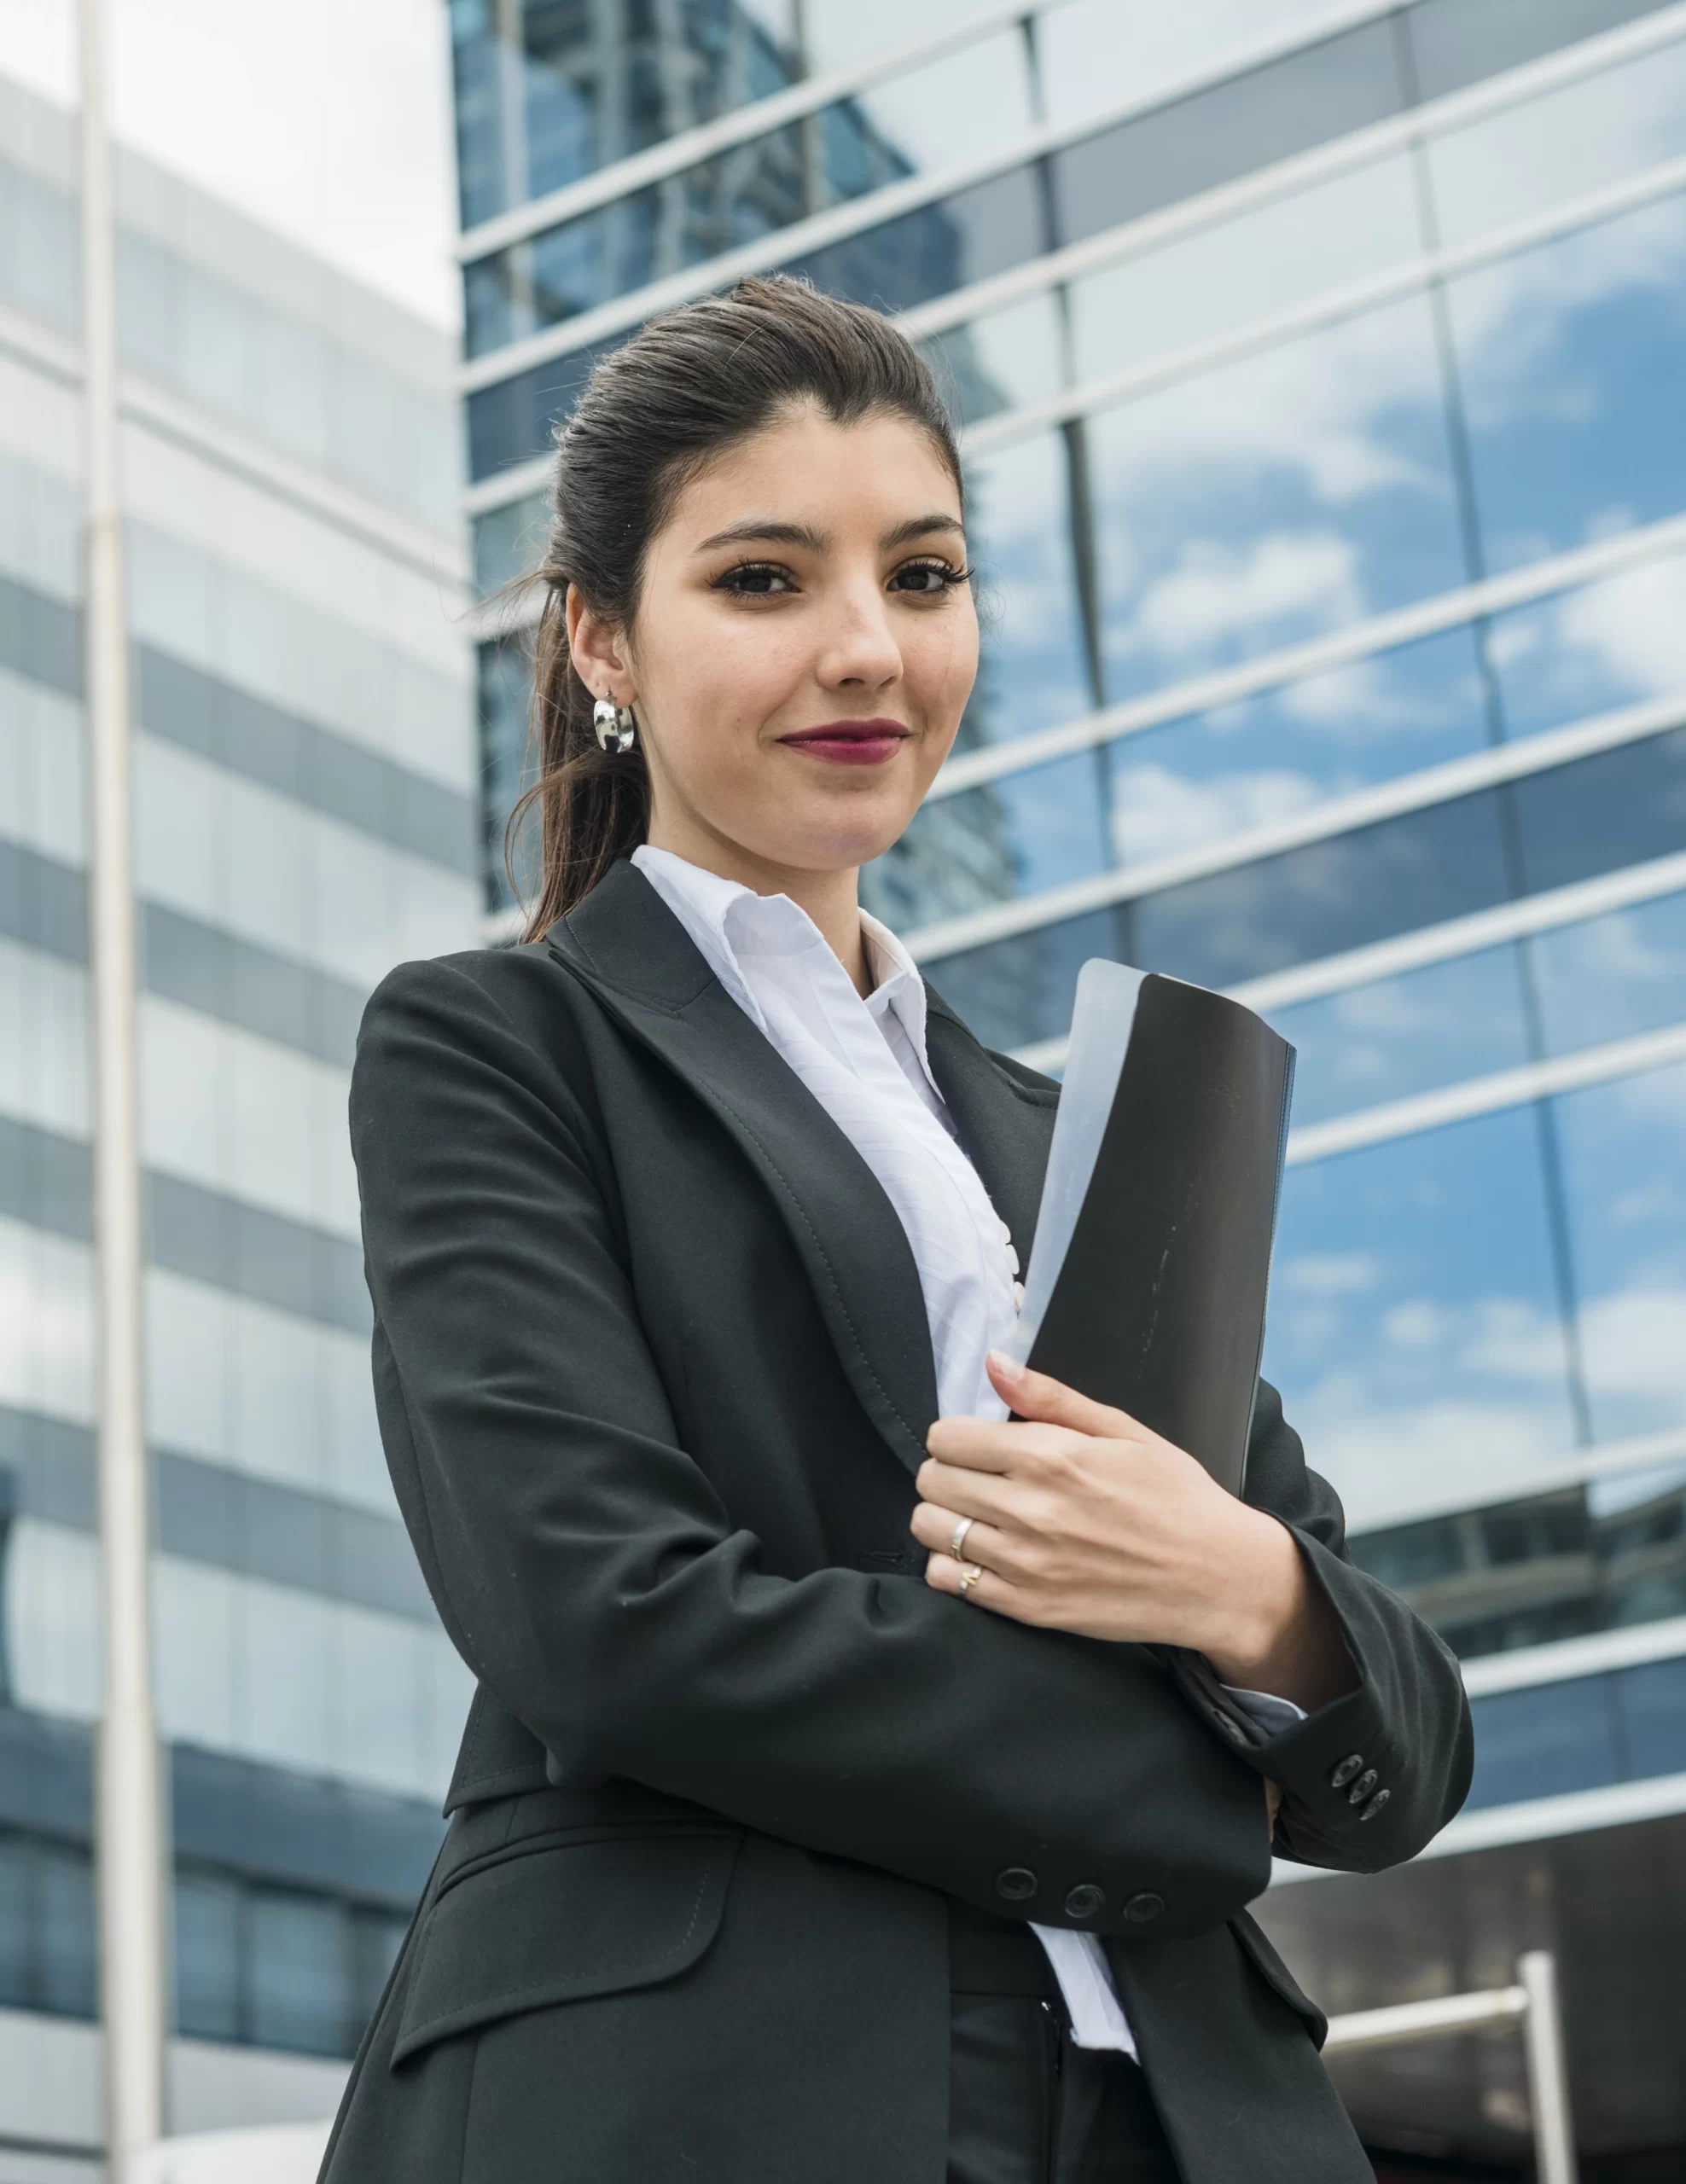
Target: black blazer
{"points": [[653, 1377]]}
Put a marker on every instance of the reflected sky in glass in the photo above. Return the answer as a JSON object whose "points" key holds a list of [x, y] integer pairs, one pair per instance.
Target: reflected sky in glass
{"points": [[1581, 138], [1570, 356], [1414, 1330], [1264, 759], [1593, 650], [1273, 499], [1613, 976], [1401, 1035], [1623, 1151], [1032, 674], [1250, 268]]}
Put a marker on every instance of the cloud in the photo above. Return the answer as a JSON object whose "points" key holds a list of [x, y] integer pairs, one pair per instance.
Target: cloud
{"points": [[1156, 812], [1215, 591], [1329, 1274]]}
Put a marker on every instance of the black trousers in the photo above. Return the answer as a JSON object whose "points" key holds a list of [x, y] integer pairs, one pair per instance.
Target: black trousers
{"points": [[1026, 2105]]}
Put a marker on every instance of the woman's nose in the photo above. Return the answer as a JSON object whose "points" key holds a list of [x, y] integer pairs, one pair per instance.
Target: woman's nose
{"points": [[862, 650]]}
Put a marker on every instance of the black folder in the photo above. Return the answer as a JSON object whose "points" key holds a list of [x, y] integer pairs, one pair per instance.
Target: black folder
{"points": [[1146, 1287]]}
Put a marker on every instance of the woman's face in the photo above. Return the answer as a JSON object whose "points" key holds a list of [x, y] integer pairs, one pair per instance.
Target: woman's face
{"points": [[805, 644]]}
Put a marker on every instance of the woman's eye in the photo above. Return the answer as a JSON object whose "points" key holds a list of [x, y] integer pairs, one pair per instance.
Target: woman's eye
{"points": [[754, 580], [925, 580]]}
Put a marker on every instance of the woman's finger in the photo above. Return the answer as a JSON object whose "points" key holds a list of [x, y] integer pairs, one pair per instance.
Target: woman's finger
{"points": [[982, 1494], [1039, 1396], [988, 1588], [934, 1526]]}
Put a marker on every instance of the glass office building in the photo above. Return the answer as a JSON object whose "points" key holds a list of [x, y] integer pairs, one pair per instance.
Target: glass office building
{"points": [[306, 780], [1322, 373]]}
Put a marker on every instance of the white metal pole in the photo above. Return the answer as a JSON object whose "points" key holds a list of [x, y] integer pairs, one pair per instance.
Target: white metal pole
{"points": [[129, 1819], [1548, 2071]]}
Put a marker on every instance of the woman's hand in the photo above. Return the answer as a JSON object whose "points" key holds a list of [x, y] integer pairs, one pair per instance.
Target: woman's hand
{"points": [[1085, 1520]]}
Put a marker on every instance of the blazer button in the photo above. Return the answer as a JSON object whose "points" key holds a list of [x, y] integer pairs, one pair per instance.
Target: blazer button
{"points": [[1085, 1900], [1141, 1909], [1362, 1788], [1353, 1764], [1017, 1884], [1375, 1804]]}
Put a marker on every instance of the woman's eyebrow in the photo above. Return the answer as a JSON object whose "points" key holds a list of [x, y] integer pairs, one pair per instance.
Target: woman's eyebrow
{"points": [[759, 532], [921, 527]]}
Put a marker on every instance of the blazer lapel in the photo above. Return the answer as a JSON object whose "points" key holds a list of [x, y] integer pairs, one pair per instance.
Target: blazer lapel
{"points": [[623, 941]]}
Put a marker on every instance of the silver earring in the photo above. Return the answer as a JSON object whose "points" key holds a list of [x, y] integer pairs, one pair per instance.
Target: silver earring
{"points": [[615, 725]]}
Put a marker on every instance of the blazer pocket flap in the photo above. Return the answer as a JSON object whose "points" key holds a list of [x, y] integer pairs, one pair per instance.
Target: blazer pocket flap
{"points": [[558, 1924], [1275, 1973]]}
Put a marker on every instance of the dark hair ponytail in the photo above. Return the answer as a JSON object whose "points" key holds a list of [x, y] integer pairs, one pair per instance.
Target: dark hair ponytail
{"points": [[686, 386]]}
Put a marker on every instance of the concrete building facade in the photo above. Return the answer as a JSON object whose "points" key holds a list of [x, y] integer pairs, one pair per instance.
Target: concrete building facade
{"points": [[306, 782]]}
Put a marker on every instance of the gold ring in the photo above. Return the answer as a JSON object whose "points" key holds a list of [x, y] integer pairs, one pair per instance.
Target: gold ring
{"points": [[969, 1576], [957, 1544]]}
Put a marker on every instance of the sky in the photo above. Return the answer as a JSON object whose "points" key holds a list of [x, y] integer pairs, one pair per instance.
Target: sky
{"points": [[327, 119]]}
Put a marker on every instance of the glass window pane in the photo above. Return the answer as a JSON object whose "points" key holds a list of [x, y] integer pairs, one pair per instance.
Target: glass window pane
{"points": [[1591, 650], [1092, 48], [1438, 1025], [64, 1877], [17, 1922], [1542, 1742], [509, 542], [1414, 1328], [1560, 146], [208, 1921], [1652, 1701], [1253, 267], [1624, 1152], [1621, 808], [1033, 672], [1613, 976], [1030, 831], [298, 1973], [1571, 358], [1007, 361], [1273, 500], [1265, 759], [1327, 898]]}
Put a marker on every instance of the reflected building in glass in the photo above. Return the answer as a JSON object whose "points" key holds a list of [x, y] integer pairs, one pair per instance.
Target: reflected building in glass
{"points": [[306, 780], [1320, 370]]}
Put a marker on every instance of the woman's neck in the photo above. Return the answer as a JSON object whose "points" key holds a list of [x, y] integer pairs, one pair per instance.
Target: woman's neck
{"points": [[832, 899]]}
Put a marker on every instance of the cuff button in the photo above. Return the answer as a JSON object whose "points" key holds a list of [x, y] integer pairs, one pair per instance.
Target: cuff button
{"points": [[1375, 1804], [1362, 1788], [1141, 1909], [1016, 1885], [1353, 1764], [1085, 1900]]}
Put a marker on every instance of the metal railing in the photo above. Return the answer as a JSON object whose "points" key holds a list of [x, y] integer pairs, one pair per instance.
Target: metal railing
{"points": [[1532, 2004]]}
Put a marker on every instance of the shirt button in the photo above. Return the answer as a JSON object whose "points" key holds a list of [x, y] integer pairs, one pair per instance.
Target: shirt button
{"points": [[1085, 1900], [1006, 1232], [1352, 1765], [1141, 1909], [1012, 1258], [1017, 1884], [1018, 1296], [1375, 1804], [1362, 1788]]}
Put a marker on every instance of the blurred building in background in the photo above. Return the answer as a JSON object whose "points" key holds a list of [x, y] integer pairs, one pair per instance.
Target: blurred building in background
{"points": [[1322, 370], [306, 784]]}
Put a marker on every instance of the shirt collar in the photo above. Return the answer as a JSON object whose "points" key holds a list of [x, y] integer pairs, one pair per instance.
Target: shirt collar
{"points": [[723, 917]]}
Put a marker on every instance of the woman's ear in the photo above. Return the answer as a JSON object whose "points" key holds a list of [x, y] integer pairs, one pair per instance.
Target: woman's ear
{"points": [[598, 651]]}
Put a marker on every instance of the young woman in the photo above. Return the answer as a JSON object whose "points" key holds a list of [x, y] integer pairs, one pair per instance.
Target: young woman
{"points": [[863, 1787]]}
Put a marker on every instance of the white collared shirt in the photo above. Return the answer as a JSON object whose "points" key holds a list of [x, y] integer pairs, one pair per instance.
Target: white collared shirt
{"points": [[864, 1061]]}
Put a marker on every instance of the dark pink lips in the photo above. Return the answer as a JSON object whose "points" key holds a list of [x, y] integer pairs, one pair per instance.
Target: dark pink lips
{"points": [[850, 742]]}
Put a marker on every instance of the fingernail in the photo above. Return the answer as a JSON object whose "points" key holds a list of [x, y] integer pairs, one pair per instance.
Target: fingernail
{"points": [[1008, 1367]]}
